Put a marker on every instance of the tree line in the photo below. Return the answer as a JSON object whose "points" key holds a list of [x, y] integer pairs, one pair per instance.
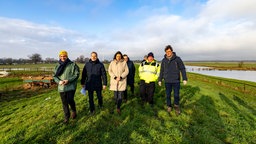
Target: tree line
{"points": [[37, 58], [34, 58]]}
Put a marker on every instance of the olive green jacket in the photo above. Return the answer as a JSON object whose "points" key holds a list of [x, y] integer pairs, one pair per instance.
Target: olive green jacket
{"points": [[71, 73]]}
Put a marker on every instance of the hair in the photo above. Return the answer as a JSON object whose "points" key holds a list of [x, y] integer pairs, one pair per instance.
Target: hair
{"points": [[125, 55], [94, 53], [168, 47], [118, 52]]}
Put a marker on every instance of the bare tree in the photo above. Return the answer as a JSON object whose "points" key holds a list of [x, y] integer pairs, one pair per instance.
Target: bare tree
{"points": [[9, 61], [50, 60], [240, 64], [80, 59], [22, 61], [86, 59], [35, 58]]}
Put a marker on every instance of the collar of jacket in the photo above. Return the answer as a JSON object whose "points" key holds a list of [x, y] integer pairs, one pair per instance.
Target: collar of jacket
{"points": [[173, 56], [97, 61], [118, 61]]}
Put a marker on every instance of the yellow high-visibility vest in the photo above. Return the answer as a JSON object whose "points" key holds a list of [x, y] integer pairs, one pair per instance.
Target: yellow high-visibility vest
{"points": [[149, 71]]}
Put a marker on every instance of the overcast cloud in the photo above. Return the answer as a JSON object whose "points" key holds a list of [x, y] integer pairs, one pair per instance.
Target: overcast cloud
{"points": [[221, 30]]}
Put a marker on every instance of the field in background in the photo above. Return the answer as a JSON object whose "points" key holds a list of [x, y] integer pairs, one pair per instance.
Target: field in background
{"points": [[211, 113], [241, 65]]}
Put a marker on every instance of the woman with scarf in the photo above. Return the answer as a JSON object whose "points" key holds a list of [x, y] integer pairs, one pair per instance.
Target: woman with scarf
{"points": [[66, 74], [93, 75], [118, 71]]}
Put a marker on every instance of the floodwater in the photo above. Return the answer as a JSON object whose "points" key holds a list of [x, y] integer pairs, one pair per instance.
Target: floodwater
{"points": [[233, 74]]}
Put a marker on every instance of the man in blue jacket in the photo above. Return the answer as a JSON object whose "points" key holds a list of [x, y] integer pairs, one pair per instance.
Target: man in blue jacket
{"points": [[171, 67]]}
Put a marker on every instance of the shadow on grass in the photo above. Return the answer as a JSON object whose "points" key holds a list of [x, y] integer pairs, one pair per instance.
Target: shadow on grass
{"points": [[244, 104], [136, 124], [244, 120], [20, 93], [205, 125], [186, 94], [239, 112], [107, 127], [235, 108]]}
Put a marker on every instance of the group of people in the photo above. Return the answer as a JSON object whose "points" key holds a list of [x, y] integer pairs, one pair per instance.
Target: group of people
{"points": [[122, 72]]}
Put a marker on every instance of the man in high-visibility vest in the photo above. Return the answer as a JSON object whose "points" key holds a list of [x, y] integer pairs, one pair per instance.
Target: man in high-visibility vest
{"points": [[149, 71]]}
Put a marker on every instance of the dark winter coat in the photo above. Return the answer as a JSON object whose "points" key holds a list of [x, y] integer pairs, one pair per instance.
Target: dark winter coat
{"points": [[171, 69], [93, 75], [130, 77]]}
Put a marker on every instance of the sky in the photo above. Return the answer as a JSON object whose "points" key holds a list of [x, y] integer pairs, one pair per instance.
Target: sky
{"points": [[196, 29]]}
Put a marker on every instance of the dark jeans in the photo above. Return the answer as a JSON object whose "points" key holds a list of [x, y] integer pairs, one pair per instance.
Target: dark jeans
{"points": [[91, 99], [168, 91], [67, 99], [118, 98], [132, 90], [147, 91]]}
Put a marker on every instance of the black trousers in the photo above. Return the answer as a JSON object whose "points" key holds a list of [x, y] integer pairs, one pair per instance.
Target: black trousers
{"points": [[147, 91], [67, 99], [132, 90], [91, 99], [118, 98]]}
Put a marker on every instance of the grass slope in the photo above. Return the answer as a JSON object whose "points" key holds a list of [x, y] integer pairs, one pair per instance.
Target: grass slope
{"points": [[210, 114]]}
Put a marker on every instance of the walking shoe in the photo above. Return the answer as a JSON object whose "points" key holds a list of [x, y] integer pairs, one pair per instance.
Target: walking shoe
{"points": [[73, 115], [177, 109], [92, 112], [118, 111], [169, 109], [111, 111], [65, 121]]}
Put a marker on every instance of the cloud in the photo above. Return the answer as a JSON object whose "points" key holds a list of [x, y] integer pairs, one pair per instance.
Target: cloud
{"points": [[221, 30], [213, 34], [21, 38], [229, 9]]}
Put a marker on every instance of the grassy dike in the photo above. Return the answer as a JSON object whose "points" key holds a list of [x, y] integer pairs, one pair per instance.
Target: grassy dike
{"points": [[211, 113]]}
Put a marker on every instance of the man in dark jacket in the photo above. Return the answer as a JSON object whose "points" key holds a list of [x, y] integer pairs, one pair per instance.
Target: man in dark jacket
{"points": [[130, 77], [171, 67], [93, 75]]}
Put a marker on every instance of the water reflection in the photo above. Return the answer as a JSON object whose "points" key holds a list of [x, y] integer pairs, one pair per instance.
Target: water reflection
{"points": [[233, 74]]}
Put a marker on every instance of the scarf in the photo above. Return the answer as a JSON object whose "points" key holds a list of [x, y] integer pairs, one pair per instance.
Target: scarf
{"points": [[169, 57], [62, 66]]}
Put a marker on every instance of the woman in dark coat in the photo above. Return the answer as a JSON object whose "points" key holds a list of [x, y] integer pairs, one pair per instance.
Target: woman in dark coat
{"points": [[93, 75], [130, 76]]}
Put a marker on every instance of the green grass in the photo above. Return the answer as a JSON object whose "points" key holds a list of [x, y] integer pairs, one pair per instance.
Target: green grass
{"points": [[211, 113]]}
